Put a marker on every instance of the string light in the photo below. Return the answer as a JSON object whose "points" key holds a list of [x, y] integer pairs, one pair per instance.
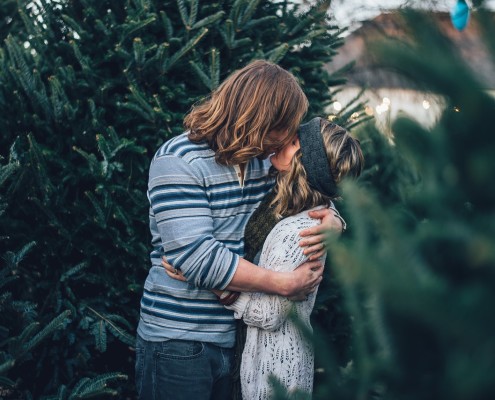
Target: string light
{"points": [[337, 106]]}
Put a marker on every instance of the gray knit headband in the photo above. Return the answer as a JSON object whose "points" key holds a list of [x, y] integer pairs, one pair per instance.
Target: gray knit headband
{"points": [[314, 158]]}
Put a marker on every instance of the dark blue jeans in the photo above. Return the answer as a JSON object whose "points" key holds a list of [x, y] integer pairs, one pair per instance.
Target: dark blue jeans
{"points": [[183, 370]]}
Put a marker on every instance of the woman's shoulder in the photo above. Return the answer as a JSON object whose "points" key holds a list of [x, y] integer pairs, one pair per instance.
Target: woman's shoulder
{"points": [[298, 221]]}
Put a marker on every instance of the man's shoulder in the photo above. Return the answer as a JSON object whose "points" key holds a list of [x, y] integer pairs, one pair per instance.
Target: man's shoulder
{"points": [[181, 147]]}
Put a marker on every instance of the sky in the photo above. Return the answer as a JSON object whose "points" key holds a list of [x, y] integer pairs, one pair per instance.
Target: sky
{"points": [[349, 12]]}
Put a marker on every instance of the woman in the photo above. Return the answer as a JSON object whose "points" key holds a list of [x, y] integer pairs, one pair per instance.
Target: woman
{"points": [[309, 169]]}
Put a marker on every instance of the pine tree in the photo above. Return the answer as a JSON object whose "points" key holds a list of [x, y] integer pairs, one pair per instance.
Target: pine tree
{"points": [[88, 90], [418, 264]]}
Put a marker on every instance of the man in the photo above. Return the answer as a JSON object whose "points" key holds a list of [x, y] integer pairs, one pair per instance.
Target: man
{"points": [[203, 186]]}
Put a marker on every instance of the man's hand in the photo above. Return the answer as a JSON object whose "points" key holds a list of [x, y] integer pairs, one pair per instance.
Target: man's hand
{"points": [[172, 272], [314, 238], [304, 280]]}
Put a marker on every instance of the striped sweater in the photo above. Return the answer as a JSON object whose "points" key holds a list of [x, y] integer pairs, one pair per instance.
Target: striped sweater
{"points": [[198, 212]]}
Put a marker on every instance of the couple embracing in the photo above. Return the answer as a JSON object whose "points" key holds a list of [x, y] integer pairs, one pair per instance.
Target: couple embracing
{"points": [[244, 149]]}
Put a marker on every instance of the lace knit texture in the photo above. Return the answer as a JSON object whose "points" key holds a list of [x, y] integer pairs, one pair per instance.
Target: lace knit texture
{"points": [[274, 344]]}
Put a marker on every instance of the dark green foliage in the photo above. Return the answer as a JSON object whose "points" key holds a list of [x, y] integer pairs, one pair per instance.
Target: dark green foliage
{"points": [[418, 264], [88, 91]]}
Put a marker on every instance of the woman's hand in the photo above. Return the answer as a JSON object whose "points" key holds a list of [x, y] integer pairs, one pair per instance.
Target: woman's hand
{"points": [[172, 272], [314, 238]]}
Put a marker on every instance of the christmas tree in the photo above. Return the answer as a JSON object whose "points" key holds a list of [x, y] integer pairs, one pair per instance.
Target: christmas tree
{"points": [[417, 265]]}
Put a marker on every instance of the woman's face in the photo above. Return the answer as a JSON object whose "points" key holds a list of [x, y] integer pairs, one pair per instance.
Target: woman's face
{"points": [[281, 160]]}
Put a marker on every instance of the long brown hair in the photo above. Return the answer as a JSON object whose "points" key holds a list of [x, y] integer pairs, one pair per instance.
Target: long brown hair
{"points": [[345, 158], [253, 101]]}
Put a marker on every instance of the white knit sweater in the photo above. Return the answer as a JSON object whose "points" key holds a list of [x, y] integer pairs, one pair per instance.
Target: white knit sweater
{"points": [[274, 343]]}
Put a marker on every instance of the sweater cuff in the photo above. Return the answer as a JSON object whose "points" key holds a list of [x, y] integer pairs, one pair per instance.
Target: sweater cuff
{"points": [[239, 306]]}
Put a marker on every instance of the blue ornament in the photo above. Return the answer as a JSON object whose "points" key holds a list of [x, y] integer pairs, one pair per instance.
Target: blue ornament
{"points": [[460, 15]]}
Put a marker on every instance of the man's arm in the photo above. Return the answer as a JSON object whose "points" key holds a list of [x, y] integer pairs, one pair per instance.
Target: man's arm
{"points": [[248, 277], [298, 283], [185, 225]]}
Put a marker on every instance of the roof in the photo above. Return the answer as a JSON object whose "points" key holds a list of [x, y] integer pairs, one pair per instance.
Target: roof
{"points": [[388, 25]]}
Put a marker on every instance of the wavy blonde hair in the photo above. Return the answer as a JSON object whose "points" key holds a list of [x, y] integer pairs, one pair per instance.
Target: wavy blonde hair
{"points": [[345, 158], [239, 114]]}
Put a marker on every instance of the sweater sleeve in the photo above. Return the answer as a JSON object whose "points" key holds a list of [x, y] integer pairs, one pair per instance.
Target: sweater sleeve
{"points": [[281, 252], [179, 203]]}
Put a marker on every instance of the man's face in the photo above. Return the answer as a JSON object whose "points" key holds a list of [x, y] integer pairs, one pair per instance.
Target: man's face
{"points": [[273, 142]]}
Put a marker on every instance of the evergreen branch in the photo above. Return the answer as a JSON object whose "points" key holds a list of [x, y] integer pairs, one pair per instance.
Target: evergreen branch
{"points": [[7, 170], [100, 215], [74, 25], [27, 332], [136, 27], [260, 21], [118, 318], [22, 71], [102, 27], [56, 323], [307, 38], [209, 20], [229, 33], [22, 253], [4, 381], [138, 50], [40, 94], [303, 23], [31, 28], [139, 110], [193, 13], [235, 11], [141, 101], [6, 281], [77, 388], [99, 332], [167, 24], [83, 61], [183, 12], [44, 183], [103, 147], [7, 365], [58, 97], [96, 386], [113, 135], [160, 56], [187, 47], [94, 113], [248, 12], [241, 42], [93, 163], [72, 271], [201, 75], [121, 335], [278, 53], [214, 68], [118, 332]]}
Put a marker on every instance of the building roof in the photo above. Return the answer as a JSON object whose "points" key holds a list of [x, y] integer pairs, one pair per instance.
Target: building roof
{"points": [[389, 25]]}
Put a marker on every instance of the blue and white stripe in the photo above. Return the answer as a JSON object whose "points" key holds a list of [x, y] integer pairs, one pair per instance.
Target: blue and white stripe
{"points": [[198, 212]]}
